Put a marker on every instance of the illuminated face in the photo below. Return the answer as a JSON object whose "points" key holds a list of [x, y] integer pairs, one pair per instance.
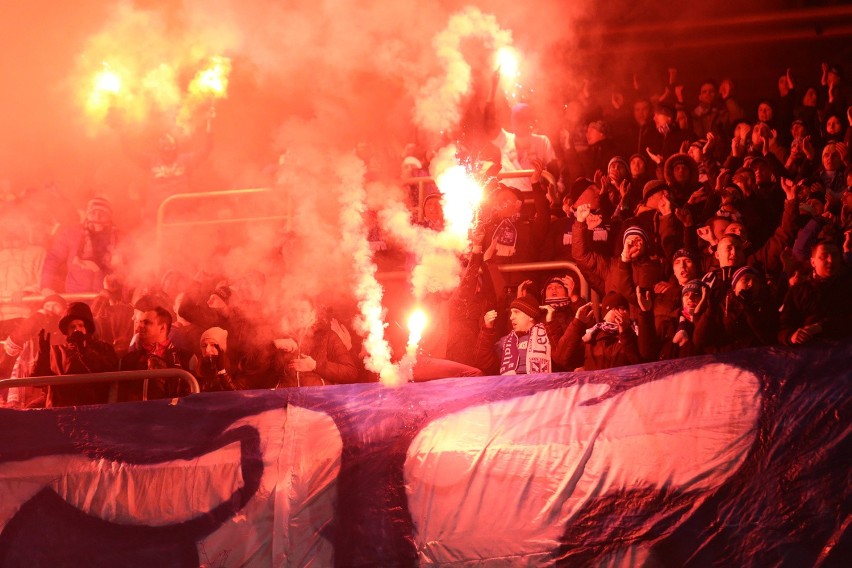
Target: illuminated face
{"points": [[832, 125], [764, 112], [830, 158], [684, 269], [642, 112], [637, 166], [76, 325], [707, 94], [593, 135], [760, 131], [148, 327], [798, 130], [680, 172], [635, 246], [53, 308], [521, 322], [762, 172], [662, 120], [810, 98], [98, 217], [617, 171], [555, 290], [730, 253], [209, 348], [745, 282], [824, 260], [690, 301], [741, 132], [694, 153], [737, 229]]}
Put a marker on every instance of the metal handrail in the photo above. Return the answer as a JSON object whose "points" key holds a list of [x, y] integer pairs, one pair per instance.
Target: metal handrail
{"points": [[161, 210], [110, 377], [549, 265]]}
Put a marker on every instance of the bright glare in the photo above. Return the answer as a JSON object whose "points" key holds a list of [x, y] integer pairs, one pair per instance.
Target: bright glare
{"points": [[507, 61], [416, 325], [107, 81]]}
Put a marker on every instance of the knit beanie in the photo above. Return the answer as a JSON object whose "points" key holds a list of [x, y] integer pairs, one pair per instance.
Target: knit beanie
{"points": [[527, 305], [742, 271], [613, 300], [218, 335], [638, 231]]}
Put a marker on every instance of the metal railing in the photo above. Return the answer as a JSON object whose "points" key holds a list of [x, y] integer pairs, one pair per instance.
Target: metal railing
{"points": [[111, 377], [206, 195]]}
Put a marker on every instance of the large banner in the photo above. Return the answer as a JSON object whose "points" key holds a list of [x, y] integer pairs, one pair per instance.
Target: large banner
{"points": [[736, 460]]}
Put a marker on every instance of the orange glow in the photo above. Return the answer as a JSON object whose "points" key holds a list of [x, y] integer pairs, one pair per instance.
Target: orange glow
{"points": [[416, 324], [105, 88], [507, 62], [462, 196], [212, 81]]}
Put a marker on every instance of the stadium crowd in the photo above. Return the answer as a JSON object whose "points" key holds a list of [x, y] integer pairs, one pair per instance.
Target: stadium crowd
{"points": [[697, 225]]}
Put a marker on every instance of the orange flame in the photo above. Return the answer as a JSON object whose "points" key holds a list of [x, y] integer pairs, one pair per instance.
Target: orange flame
{"points": [[507, 61], [416, 324], [212, 81], [105, 87], [462, 195]]}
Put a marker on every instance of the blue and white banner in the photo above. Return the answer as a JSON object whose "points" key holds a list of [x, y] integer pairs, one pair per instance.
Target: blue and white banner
{"points": [[738, 460]]}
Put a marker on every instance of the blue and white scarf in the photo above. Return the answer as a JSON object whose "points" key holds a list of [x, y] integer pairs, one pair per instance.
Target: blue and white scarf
{"points": [[537, 355]]}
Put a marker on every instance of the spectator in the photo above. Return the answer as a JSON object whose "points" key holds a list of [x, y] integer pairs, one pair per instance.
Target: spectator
{"points": [[612, 342], [214, 367], [82, 353], [819, 306], [82, 255], [520, 148], [153, 350], [524, 350]]}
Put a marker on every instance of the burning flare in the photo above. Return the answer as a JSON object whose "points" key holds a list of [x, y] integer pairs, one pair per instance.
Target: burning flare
{"points": [[212, 81], [416, 325], [106, 87]]}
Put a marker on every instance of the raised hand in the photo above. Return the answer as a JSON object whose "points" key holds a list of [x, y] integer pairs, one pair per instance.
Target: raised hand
{"points": [[490, 318], [582, 212], [593, 221], [585, 314], [657, 158], [550, 311], [522, 287], [789, 188]]}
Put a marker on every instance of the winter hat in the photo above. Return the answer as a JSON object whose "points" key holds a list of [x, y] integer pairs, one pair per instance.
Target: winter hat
{"points": [[578, 187], [619, 160], [218, 335], [652, 187], [693, 286], [613, 300], [77, 311], [57, 299], [638, 231], [742, 271], [527, 305], [99, 204], [601, 127], [685, 253]]}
